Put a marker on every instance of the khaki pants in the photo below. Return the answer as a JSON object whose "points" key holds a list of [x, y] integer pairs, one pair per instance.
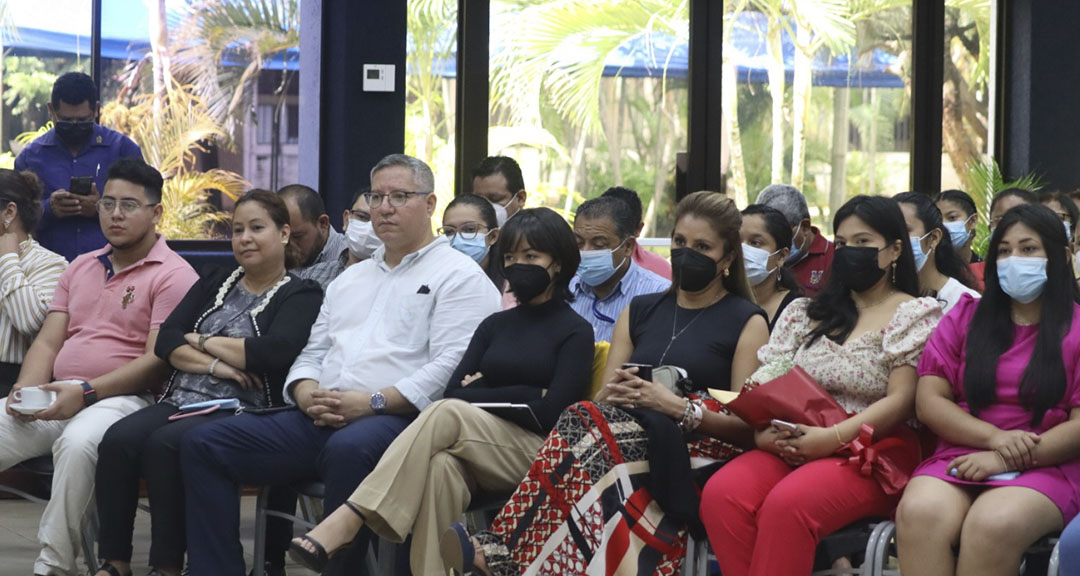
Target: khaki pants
{"points": [[425, 480]]}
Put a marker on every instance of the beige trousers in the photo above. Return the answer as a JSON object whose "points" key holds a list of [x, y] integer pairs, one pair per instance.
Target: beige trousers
{"points": [[426, 478]]}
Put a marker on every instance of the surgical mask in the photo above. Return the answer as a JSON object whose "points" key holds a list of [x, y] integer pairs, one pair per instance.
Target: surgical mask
{"points": [[596, 266], [1068, 232], [74, 134], [857, 267], [475, 248], [361, 239], [1023, 279], [500, 211], [757, 264], [692, 270], [796, 251], [917, 251], [527, 281], [958, 231]]}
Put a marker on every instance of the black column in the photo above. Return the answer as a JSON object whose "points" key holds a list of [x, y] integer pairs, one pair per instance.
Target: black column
{"points": [[928, 72], [705, 126], [474, 32], [95, 46], [359, 128], [1041, 79]]}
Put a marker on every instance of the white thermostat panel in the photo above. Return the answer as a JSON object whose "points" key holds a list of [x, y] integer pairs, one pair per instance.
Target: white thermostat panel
{"points": [[378, 77]]}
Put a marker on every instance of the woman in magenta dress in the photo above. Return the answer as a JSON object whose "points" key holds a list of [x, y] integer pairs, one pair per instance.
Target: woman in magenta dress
{"points": [[1015, 409]]}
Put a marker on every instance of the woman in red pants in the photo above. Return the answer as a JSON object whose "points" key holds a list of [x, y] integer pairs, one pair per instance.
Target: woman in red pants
{"points": [[861, 339]]}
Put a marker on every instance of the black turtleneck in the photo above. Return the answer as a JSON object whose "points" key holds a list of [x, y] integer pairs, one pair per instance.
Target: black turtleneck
{"points": [[524, 351]]}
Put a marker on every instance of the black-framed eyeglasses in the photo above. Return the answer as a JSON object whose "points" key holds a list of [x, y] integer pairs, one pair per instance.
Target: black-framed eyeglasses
{"points": [[128, 206], [467, 231], [361, 216], [397, 198]]}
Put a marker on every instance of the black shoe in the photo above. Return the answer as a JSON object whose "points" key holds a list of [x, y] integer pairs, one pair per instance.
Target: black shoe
{"points": [[270, 569]]}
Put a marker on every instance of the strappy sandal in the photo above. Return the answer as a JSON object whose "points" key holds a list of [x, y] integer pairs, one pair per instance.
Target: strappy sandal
{"points": [[317, 560], [111, 570], [457, 549]]}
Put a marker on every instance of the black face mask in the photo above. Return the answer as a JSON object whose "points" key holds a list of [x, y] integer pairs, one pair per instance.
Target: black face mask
{"points": [[857, 267], [74, 134], [527, 281], [692, 271]]}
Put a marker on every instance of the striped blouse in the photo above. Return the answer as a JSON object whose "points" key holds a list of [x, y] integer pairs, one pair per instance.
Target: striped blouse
{"points": [[27, 282]]}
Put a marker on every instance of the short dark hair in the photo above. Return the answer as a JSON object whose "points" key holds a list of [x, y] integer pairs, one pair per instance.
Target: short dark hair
{"points": [[960, 198], [306, 198], [74, 88], [136, 171], [613, 208], [504, 165], [1048, 196], [356, 195], [24, 189], [1025, 196], [546, 232], [626, 195]]}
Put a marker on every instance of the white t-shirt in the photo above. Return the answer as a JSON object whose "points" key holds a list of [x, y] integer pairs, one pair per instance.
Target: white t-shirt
{"points": [[951, 292]]}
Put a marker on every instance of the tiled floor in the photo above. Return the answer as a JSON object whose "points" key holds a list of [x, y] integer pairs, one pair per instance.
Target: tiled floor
{"points": [[18, 537]]}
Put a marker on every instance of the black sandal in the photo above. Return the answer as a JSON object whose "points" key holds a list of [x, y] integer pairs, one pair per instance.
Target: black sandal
{"points": [[317, 560], [111, 570], [457, 549]]}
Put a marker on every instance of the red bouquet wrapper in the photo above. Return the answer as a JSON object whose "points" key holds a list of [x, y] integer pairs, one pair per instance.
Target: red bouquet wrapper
{"points": [[795, 397]]}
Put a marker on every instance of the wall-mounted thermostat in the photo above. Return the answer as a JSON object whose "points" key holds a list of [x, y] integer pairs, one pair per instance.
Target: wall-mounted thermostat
{"points": [[378, 77]]}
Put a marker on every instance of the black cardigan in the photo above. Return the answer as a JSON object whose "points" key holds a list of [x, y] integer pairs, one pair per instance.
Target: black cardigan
{"points": [[281, 328]]}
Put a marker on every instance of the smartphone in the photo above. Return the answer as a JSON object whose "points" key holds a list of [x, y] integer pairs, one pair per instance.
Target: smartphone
{"points": [[644, 371], [81, 185], [788, 426]]}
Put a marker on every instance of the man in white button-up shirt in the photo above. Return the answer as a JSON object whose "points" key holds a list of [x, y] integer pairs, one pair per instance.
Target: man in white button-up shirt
{"points": [[391, 331]]}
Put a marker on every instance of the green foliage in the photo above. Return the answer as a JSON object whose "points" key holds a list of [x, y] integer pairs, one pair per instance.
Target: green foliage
{"points": [[983, 180], [27, 83]]}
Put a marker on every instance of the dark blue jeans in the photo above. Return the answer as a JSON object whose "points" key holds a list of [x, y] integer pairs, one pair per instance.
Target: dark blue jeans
{"points": [[281, 448]]}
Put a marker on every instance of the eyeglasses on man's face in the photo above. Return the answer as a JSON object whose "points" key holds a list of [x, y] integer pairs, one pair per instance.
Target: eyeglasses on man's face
{"points": [[128, 206], [397, 198]]}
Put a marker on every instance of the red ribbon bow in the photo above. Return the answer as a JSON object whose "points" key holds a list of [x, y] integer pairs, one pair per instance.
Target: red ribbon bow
{"points": [[866, 454]]}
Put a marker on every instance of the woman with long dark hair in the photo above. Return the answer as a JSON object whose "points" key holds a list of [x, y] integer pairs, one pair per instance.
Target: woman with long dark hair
{"points": [[942, 274], [860, 339], [589, 502], [766, 242], [1000, 386], [960, 218]]}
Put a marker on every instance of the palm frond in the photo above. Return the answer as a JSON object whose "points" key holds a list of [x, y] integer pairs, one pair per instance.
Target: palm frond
{"points": [[983, 180], [830, 20], [187, 213]]}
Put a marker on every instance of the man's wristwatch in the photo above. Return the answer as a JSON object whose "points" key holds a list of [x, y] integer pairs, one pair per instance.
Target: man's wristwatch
{"points": [[89, 395], [378, 403]]}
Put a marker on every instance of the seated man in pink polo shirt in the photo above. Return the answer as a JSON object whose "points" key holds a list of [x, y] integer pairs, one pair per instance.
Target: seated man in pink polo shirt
{"points": [[96, 352]]}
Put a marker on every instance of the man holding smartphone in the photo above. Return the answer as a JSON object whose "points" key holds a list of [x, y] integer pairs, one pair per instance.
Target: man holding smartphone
{"points": [[72, 160]]}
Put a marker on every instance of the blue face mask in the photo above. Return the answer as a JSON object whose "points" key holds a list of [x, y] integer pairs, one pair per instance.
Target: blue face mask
{"points": [[958, 232], [796, 253], [757, 264], [917, 251], [475, 248], [596, 266], [1023, 279]]}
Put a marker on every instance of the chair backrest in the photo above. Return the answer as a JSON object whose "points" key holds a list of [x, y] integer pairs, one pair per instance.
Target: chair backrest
{"points": [[599, 360]]}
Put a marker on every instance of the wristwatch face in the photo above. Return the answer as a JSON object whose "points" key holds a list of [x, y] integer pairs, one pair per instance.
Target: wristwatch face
{"points": [[378, 402]]}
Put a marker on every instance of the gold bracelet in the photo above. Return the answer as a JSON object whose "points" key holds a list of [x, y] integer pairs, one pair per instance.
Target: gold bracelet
{"points": [[836, 428], [1004, 464]]}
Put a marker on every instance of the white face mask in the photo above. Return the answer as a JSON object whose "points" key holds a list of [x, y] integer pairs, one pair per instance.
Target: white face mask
{"points": [[500, 211], [757, 264], [361, 239]]}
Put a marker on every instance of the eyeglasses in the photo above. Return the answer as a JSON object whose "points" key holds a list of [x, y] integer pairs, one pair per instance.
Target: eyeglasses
{"points": [[361, 216], [467, 231], [397, 198], [128, 206]]}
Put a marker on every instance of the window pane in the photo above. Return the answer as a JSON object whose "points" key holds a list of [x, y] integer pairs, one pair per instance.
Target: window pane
{"points": [[215, 128], [824, 108], [588, 95], [37, 48], [430, 90], [968, 87]]}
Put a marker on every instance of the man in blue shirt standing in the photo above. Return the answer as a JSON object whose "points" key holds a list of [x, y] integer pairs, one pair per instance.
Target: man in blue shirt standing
{"points": [[76, 147]]}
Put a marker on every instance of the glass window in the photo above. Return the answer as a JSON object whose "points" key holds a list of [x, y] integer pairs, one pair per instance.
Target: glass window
{"points": [[37, 48], [218, 79], [969, 79], [818, 99], [588, 95], [430, 86]]}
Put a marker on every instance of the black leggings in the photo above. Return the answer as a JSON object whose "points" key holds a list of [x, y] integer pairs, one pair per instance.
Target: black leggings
{"points": [[144, 445]]}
